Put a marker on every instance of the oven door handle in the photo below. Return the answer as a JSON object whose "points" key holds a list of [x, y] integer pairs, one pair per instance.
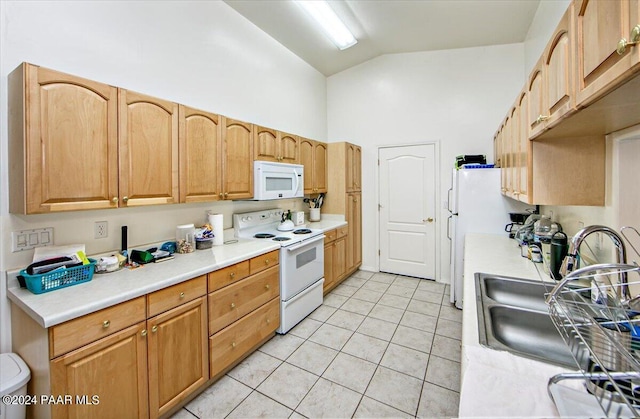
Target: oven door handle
{"points": [[305, 243]]}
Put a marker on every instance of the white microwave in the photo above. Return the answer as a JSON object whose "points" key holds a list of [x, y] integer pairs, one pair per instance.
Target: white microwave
{"points": [[277, 180]]}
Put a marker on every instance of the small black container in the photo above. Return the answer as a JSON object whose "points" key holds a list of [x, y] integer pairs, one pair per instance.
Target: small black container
{"points": [[559, 249]]}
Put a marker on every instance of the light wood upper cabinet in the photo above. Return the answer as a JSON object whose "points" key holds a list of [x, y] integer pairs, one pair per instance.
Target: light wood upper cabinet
{"points": [[354, 168], [551, 86], [113, 368], [276, 146], [237, 159], [200, 160], [265, 144], [63, 142], [535, 93], [600, 25], [178, 354], [523, 150], [148, 146], [320, 167], [289, 148], [306, 159], [558, 67], [313, 156]]}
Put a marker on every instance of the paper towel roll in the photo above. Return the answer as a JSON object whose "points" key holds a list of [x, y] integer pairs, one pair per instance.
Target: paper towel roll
{"points": [[217, 222]]}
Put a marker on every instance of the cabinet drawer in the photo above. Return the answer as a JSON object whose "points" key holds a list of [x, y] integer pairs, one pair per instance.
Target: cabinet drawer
{"points": [[262, 262], [230, 274], [78, 332], [230, 303], [330, 236], [233, 342], [342, 232], [168, 298]]}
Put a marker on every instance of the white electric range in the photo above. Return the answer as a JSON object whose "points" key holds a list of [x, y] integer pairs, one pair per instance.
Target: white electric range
{"points": [[301, 261]]}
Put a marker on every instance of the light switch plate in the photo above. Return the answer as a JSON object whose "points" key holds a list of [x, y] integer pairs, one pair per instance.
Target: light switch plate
{"points": [[29, 239]]}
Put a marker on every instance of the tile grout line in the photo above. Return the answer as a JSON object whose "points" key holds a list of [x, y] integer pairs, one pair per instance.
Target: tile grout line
{"points": [[378, 364]]}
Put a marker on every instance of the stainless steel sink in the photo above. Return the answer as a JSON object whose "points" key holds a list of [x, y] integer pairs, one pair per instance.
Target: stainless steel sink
{"points": [[513, 317]]}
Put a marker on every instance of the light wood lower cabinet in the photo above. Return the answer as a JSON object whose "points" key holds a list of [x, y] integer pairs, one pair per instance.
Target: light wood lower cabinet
{"points": [[231, 303], [244, 310], [354, 236], [234, 342], [335, 258], [146, 357], [113, 369], [178, 356]]}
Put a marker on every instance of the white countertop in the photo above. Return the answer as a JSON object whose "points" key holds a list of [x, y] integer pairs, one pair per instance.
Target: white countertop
{"points": [[496, 383], [327, 222], [105, 290]]}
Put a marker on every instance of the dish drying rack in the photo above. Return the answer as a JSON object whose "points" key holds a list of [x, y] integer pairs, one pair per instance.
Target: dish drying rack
{"points": [[601, 327]]}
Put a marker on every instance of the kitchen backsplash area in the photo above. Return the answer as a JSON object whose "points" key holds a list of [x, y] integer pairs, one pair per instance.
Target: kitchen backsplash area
{"points": [[149, 224]]}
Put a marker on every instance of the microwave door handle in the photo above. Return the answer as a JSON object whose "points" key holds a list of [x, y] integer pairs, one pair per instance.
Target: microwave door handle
{"points": [[297, 181]]}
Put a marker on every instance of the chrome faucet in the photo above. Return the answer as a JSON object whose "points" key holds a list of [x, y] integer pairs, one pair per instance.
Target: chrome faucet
{"points": [[572, 261]]}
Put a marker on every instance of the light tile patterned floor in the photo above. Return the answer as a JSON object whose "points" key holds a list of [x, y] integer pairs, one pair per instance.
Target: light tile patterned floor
{"points": [[381, 345]]}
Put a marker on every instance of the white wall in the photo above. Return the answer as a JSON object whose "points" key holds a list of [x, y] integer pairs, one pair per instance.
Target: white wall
{"points": [[202, 54], [455, 97]]}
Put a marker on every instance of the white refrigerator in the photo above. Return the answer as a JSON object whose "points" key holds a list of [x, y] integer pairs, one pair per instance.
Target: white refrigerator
{"points": [[476, 205]]}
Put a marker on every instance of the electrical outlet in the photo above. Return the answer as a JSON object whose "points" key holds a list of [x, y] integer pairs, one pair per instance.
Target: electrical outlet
{"points": [[100, 230]]}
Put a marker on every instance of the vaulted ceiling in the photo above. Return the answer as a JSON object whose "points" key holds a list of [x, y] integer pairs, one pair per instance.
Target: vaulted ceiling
{"points": [[391, 26]]}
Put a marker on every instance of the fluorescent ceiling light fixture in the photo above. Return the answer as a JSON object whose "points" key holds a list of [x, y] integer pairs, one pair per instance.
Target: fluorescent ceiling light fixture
{"points": [[330, 22]]}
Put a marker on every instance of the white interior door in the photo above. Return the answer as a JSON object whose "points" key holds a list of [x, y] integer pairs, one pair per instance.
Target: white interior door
{"points": [[407, 210]]}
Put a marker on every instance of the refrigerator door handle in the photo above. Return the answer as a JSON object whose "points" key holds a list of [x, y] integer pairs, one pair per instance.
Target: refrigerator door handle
{"points": [[449, 226], [449, 199]]}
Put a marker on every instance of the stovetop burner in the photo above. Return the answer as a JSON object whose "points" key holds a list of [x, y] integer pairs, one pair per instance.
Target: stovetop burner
{"points": [[302, 231], [282, 239], [264, 236]]}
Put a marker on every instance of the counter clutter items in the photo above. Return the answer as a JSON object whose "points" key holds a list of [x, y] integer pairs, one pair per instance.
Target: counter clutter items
{"points": [[57, 267], [126, 322]]}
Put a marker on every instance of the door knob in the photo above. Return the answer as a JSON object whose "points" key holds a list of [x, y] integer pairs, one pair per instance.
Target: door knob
{"points": [[428, 220]]}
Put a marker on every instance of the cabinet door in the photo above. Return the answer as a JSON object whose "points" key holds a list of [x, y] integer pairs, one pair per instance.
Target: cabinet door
{"points": [[524, 153], [178, 355], [536, 101], [289, 148], [265, 144], [340, 253], [558, 73], [71, 143], [200, 145], [357, 169], [329, 264], [148, 143], [237, 155], [354, 236], [320, 167], [114, 369], [506, 142], [500, 159], [307, 148], [354, 167], [600, 25]]}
